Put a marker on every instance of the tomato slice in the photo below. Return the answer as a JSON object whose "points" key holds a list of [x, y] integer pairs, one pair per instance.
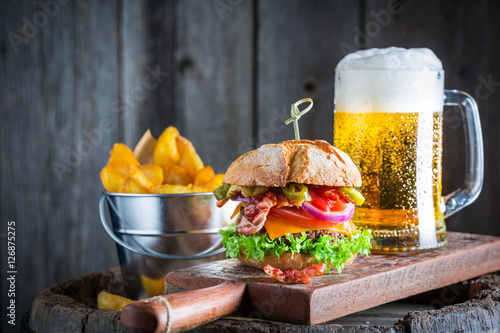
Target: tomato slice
{"points": [[327, 199], [297, 215]]}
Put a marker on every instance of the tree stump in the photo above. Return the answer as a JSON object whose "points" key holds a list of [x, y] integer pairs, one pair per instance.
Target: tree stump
{"points": [[72, 305], [470, 306]]}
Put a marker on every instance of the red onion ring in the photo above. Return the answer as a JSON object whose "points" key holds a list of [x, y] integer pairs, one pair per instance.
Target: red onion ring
{"points": [[241, 198], [340, 216]]}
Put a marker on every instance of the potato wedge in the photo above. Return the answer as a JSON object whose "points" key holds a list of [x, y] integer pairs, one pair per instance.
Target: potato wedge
{"points": [[110, 301], [204, 175], [153, 172], [133, 186], [189, 159], [197, 189], [215, 182], [176, 175], [122, 154], [144, 149], [176, 168], [170, 189], [111, 179], [166, 151], [153, 287], [142, 180], [123, 168]]}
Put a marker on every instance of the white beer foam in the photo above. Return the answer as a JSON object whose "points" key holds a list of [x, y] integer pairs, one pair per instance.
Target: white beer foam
{"points": [[392, 58], [389, 80]]}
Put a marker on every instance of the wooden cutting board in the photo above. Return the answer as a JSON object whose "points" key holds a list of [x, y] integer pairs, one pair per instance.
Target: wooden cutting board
{"points": [[223, 287]]}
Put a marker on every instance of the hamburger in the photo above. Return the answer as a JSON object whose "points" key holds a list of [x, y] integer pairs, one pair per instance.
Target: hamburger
{"points": [[296, 199]]}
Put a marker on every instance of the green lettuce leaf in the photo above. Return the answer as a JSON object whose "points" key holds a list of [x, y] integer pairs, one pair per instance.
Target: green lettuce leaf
{"points": [[324, 250]]}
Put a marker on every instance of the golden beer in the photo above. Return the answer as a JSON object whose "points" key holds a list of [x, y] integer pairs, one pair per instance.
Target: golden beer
{"points": [[389, 120], [399, 157]]}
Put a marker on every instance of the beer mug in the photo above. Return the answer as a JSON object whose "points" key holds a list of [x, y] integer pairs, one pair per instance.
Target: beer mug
{"points": [[389, 120]]}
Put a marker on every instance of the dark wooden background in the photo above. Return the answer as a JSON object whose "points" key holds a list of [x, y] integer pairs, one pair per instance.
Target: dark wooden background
{"points": [[226, 74]]}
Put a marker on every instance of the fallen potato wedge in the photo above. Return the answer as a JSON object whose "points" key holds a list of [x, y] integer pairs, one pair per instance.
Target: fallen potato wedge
{"points": [[108, 301], [153, 287]]}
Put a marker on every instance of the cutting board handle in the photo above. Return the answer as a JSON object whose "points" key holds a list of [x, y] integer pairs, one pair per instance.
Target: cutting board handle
{"points": [[187, 308]]}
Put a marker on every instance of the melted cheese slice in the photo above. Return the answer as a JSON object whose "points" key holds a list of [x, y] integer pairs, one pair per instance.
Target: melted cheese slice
{"points": [[277, 227], [237, 210]]}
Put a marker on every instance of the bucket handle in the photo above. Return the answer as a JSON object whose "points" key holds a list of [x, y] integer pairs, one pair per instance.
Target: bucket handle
{"points": [[149, 252]]}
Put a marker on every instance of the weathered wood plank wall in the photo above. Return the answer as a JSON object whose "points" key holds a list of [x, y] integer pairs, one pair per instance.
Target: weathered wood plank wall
{"points": [[59, 84], [290, 36], [224, 72]]}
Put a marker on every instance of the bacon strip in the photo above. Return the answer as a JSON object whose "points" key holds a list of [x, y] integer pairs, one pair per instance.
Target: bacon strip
{"points": [[294, 276], [222, 202], [246, 227], [255, 212]]}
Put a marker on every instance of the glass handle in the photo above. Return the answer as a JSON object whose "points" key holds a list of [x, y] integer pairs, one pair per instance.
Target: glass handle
{"points": [[474, 160]]}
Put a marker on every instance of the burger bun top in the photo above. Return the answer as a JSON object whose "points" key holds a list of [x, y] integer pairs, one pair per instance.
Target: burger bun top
{"points": [[295, 161]]}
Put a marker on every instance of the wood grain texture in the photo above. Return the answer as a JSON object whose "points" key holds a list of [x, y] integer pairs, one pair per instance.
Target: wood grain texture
{"points": [[479, 312], [71, 306], [189, 309], [55, 93], [206, 83], [465, 309], [297, 51], [463, 35], [215, 77], [366, 283], [148, 68]]}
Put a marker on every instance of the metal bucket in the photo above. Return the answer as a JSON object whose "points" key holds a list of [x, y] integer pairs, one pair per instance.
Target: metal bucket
{"points": [[158, 233]]}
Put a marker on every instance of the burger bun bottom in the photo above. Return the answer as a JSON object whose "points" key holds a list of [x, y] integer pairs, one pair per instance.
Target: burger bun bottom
{"points": [[287, 261]]}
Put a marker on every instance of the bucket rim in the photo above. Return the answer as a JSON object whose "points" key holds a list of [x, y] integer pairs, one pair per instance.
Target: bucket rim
{"points": [[159, 195]]}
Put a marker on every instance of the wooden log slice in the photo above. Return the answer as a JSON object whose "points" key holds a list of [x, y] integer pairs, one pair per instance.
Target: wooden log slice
{"points": [[71, 306], [470, 306], [481, 313]]}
